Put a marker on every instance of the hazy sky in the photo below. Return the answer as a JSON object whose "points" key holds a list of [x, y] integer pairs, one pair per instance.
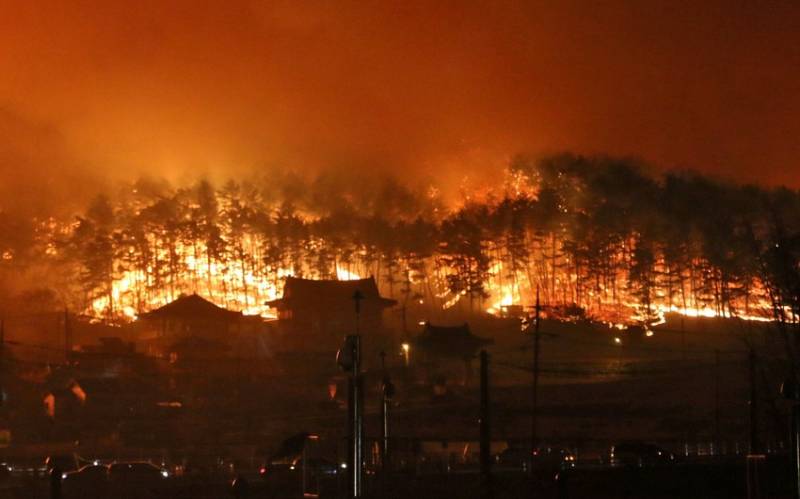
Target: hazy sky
{"points": [[109, 88]]}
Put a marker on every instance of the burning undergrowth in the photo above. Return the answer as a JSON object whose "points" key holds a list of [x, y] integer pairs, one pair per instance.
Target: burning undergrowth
{"points": [[597, 237]]}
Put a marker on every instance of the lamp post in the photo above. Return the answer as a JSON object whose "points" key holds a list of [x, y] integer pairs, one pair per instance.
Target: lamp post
{"points": [[349, 359], [791, 391], [485, 431], [535, 388], [2, 362], [387, 392]]}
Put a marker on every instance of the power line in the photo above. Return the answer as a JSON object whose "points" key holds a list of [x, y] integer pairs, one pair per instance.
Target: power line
{"points": [[639, 346], [621, 371]]}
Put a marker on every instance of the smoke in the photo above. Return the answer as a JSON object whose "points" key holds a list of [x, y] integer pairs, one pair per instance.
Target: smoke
{"points": [[426, 92], [40, 176]]}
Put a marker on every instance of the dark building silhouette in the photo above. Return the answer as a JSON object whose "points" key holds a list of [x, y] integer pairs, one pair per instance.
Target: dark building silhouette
{"points": [[320, 312], [191, 315], [444, 347], [111, 358], [449, 342], [190, 323]]}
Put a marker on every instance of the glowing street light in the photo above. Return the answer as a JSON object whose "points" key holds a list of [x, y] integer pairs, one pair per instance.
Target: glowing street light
{"points": [[406, 351]]}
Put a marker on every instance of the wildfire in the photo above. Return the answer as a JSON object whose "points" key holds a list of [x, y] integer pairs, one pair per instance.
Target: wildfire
{"points": [[238, 286], [233, 286], [345, 275], [506, 301], [490, 255], [629, 312]]}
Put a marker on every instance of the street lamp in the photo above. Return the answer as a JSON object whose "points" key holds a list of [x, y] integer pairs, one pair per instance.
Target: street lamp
{"points": [[406, 352]]}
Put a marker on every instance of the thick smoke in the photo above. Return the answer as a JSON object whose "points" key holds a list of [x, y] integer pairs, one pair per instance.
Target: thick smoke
{"points": [[40, 175], [413, 89]]}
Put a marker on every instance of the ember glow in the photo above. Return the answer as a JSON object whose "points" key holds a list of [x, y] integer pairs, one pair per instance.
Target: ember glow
{"points": [[234, 285], [93, 97], [244, 241], [545, 226]]}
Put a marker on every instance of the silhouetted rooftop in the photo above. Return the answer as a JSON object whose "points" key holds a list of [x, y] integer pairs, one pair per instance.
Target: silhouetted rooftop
{"points": [[450, 341], [298, 291], [192, 307]]}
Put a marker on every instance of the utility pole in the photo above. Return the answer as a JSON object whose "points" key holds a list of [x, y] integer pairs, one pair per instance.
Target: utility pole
{"points": [[755, 447], [485, 431], [535, 388], [756, 461], [357, 406], [405, 325], [67, 337], [349, 359], [357, 298], [796, 445], [716, 403], [2, 362], [387, 392], [791, 391], [683, 340], [687, 399]]}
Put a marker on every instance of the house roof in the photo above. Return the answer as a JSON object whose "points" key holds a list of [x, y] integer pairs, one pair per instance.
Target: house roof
{"points": [[291, 447], [297, 291], [450, 341], [192, 307]]}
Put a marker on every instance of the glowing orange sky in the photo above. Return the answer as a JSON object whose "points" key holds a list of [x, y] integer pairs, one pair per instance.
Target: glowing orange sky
{"points": [[93, 88]]}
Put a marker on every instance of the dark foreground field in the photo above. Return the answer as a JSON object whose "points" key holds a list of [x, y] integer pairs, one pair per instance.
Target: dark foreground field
{"points": [[710, 479]]}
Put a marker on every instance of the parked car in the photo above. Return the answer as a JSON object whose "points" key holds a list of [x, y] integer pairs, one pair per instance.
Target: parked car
{"points": [[297, 469], [136, 471], [136, 479], [89, 482], [5, 471], [315, 465], [639, 454], [545, 458]]}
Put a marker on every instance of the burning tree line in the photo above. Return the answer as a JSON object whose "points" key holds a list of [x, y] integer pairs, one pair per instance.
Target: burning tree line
{"points": [[595, 236]]}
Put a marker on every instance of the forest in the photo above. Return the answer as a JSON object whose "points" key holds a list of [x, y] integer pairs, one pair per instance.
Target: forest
{"points": [[595, 237]]}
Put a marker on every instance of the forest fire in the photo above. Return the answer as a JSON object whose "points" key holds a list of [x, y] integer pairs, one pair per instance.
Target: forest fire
{"points": [[302, 249], [571, 232], [127, 300]]}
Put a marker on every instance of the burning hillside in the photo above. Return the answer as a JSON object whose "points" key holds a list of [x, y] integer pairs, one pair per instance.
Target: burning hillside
{"points": [[596, 237]]}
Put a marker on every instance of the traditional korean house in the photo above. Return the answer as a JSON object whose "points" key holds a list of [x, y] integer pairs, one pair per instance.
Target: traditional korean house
{"points": [[319, 313], [168, 329], [441, 346], [191, 315]]}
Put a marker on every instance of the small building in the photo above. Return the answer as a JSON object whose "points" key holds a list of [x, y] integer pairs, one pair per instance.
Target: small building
{"points": [[191, 315], [449, 342], [321, 312], [443, 346], [191, 320]]}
